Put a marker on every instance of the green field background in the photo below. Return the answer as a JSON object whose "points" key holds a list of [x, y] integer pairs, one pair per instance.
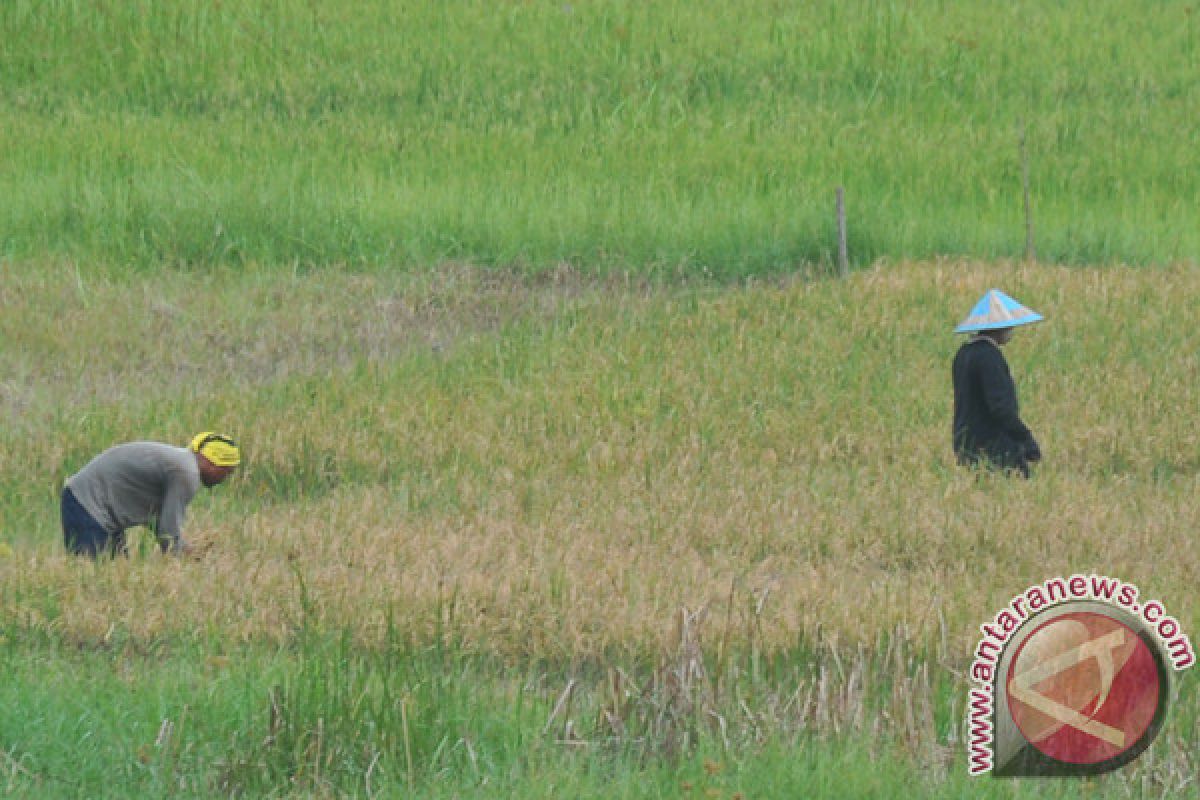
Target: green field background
{"points": [[702, 137]]}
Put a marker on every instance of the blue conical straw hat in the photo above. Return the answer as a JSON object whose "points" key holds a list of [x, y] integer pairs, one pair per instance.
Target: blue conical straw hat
{"points": [[997, 310]]}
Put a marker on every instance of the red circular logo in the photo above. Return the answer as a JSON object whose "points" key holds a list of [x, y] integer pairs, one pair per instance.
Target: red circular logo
{"points": [[1083, 688]]}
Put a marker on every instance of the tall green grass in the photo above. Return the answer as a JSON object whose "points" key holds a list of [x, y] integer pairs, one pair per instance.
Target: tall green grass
{"points": [[667, 137], [324, 718]]}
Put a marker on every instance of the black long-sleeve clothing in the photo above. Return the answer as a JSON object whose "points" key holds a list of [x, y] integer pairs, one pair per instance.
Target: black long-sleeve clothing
{"points": [[987, 423]]}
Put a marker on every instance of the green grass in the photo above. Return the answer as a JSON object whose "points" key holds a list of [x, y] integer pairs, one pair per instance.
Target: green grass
{"points": [[676, 137], [324, 719]]}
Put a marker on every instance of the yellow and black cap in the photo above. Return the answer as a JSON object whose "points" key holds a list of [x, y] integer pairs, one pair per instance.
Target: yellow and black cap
{"points": [[217, 448]]}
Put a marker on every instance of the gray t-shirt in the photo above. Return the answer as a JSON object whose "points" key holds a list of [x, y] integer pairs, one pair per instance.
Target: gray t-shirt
{"points": [[137, 483]]}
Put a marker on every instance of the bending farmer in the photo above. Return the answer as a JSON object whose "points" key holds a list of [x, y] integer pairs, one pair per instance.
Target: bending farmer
{"points": [[141, 483], [987, 425]]}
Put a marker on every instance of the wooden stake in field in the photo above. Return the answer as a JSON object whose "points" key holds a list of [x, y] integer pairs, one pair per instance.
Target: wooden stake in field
{"points": [[843, 257]]}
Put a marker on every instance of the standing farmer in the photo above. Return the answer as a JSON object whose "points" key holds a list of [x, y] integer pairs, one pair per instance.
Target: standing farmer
{"points": [[987, 425], [141, 483]]}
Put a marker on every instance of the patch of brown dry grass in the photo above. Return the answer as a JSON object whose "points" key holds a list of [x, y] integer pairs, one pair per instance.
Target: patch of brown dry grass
{"points": [[776, 457], [81, 337]]}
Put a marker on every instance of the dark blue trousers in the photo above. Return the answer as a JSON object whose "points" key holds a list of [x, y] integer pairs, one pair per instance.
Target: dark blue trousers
{"points": [[82, 535]]}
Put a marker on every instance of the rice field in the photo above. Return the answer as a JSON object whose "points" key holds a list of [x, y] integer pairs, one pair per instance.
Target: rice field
{"points": [[677, 137], [571, 468], [723, 496]]}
